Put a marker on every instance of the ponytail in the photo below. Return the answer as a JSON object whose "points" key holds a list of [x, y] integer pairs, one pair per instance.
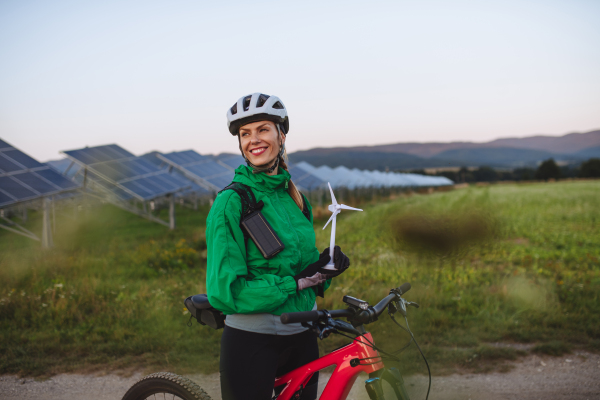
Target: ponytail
{"points": [[292, 189]]}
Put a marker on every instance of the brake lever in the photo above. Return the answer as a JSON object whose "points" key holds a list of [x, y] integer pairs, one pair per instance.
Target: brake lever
{"points": [[322, 328], [398, 306]]}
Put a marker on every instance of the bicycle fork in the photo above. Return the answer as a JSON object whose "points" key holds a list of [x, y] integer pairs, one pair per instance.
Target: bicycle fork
{"points": [[374, 384]]}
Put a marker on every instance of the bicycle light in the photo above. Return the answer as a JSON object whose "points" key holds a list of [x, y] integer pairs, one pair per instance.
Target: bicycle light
{"points": [[354, 302]]}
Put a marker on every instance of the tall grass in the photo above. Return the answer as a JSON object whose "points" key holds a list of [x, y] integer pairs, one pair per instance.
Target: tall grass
{"points": [[109, 295]]}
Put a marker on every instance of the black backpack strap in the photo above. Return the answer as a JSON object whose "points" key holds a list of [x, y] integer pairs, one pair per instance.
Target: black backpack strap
{"points": [[246, 194], [305, 207], [248, 199]]}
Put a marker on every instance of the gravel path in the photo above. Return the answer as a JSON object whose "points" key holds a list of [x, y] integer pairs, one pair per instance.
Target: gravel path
{"points": [[576, 376]]}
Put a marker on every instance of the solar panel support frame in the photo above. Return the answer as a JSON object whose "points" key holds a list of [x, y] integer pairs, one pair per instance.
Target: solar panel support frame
{"points": [[133, 210], [171, 211], [47, 241], [122, 204], [18, 229], [84, 167]]}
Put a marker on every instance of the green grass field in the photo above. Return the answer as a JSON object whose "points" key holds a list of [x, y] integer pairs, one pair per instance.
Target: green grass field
{"points": [[510, 264]]}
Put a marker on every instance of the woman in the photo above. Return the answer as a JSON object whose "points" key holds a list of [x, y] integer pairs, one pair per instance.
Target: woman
{"points": [[254, 291]]}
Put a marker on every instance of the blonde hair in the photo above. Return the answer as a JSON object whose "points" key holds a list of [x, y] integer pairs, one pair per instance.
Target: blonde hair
{"points": [[292, 189]]}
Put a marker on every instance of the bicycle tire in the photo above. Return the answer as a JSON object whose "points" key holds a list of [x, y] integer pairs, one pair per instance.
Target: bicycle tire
{"points": [[166, 383]]}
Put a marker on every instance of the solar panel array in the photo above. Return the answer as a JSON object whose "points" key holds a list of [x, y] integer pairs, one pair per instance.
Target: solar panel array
{"points": [[219, 171], [22, 178], [118, 171]]}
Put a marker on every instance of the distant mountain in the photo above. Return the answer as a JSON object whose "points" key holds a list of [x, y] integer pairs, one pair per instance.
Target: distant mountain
{"points": [[370, 160], [567, 144], [592, 152], [495, 157], [509, 152]]}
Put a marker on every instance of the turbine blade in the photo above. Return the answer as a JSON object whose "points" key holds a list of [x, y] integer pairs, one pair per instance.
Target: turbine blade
{"points": [[330, 218], [345, 207], [333, 200]]}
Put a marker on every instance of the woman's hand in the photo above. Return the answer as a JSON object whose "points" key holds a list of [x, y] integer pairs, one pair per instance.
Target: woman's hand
{"points": [[340, 260], [310, 276]]}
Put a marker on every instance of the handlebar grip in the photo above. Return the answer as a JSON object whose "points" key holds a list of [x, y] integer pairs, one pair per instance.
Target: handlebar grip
{"points": [[302, 316], [405, 287]]}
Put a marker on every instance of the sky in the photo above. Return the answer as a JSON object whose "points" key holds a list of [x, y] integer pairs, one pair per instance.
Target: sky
{"points": [[160, 75]]}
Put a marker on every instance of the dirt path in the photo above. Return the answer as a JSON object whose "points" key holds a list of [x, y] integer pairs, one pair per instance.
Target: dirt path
{"points": [[576, 376]]}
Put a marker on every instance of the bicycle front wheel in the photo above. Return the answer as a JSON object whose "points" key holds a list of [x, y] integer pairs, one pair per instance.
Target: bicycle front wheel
{"points": [[165, 385]]}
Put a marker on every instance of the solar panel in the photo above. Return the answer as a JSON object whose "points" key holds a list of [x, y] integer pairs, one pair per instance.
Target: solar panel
{"points": [[115, 169], [194, 188], [23, 178], [231, 160], [305, 179], [203, 170], [3, 144]]}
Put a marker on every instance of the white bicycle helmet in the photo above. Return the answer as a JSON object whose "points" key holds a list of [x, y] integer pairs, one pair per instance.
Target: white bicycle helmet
{"points": [[257, 107]]}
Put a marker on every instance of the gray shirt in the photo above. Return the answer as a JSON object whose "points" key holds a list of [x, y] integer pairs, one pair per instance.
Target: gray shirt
{"points": [[263, 323]]}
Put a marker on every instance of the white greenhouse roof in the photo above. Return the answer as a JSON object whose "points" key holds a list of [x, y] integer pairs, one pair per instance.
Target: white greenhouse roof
{"points": [[355, 178]]}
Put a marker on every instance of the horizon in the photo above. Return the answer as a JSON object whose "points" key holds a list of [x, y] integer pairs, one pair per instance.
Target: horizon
{"points": [[61, 156], [316, 148], [150, 75]]}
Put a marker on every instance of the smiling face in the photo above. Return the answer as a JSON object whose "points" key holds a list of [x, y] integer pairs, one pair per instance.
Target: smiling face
{"points": [[260, 141]]}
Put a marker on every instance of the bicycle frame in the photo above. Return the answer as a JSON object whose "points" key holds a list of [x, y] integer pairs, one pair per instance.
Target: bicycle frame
{"points": [[343, 376]]}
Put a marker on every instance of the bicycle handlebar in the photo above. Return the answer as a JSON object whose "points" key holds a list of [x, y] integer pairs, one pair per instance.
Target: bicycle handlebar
{"points": [[361, 317], [309, 316]]}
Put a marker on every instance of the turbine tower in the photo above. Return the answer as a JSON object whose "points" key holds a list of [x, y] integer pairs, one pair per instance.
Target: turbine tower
{"points": [[335, 208]]}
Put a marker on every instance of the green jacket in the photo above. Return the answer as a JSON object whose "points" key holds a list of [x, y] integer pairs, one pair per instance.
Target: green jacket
{"points": [[239, 280]]}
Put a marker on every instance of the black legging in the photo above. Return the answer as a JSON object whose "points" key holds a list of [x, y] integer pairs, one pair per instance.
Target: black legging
{"points": [[251, 361]]}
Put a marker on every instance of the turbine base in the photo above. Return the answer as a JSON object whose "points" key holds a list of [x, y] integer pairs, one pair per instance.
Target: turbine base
{"points": [[330, 267]]}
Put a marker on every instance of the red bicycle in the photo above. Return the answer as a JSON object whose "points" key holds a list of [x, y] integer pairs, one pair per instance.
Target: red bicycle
{"points": [[361, 355]]}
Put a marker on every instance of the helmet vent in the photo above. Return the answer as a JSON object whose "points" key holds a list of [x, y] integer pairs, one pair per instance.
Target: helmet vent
{"points": [[234, 109], [278, 105], [247, 102], [261, 100]]}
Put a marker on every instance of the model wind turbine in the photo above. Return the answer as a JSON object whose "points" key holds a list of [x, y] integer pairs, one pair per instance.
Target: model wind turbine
{"points": [[335, 208]]}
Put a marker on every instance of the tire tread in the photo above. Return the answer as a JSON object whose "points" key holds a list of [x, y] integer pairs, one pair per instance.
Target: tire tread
{"points": [[194, 392]]}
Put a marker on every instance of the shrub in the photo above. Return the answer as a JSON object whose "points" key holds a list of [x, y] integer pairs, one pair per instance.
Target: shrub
{"points": [[548, 170], [590, 168]]}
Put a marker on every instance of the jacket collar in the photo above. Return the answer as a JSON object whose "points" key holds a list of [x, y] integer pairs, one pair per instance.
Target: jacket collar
{"points": [[262, 181]]}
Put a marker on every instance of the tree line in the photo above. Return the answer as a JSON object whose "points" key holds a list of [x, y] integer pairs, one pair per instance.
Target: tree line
{"points": [[548, 169]]}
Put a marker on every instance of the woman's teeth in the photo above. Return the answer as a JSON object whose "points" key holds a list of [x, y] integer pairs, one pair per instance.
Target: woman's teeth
{"points": [[258, 151]]}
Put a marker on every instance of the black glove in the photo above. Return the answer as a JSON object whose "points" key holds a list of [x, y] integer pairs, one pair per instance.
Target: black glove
{"points": [[341, 261], [314, 268]]}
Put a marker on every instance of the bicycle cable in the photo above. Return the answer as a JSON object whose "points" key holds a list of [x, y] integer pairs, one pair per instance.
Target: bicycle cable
{"points": [[371, 345], [418, 347]]}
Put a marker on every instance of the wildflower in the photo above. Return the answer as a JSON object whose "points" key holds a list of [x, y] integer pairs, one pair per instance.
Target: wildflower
{"points": [[58, 285], [185, 311], [44, 305]]}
